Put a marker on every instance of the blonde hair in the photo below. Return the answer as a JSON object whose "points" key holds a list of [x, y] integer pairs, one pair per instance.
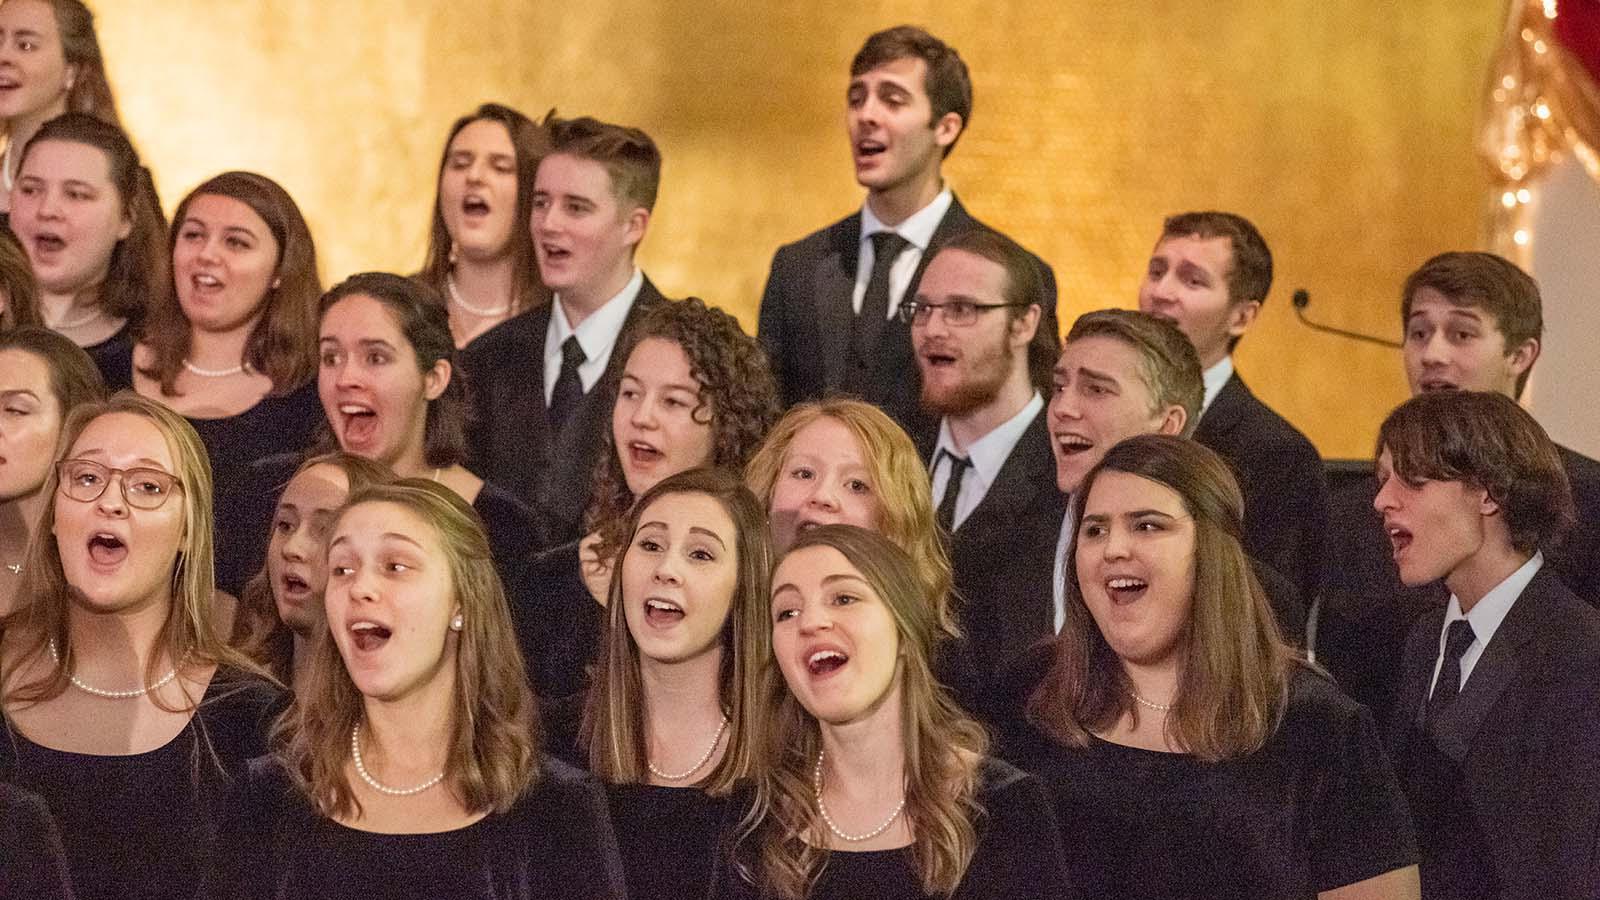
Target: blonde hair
{"points": [[614, 710], [493, 756], [899, 479], [188, 635], [943, 748]]}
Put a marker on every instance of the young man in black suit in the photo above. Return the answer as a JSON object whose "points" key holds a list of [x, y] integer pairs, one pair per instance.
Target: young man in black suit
{"points": [[828, 313], [541, 383], [984, 359], [1495, 732], [1210, 272]]}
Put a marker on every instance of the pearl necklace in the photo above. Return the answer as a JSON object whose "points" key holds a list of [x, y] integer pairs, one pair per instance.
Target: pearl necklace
{"points": [[92, 317], [112, 695], [361, 769], [455, 295], [816, 784], [697, 766], [1155, 706], [213, 373]]}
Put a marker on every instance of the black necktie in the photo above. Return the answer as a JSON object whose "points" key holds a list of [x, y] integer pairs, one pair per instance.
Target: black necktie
{"points": [[1456, 641], [886, 248], [952, 489], [568, 389]]}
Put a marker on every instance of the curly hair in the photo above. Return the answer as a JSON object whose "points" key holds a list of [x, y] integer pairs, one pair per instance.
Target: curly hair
{"points": [[737, 392]]}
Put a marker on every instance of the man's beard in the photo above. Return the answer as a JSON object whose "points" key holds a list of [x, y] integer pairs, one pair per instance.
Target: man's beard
{"points": [[989, 374]]}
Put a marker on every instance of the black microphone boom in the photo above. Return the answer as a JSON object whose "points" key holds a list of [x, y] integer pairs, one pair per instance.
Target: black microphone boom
{"points": [[1302, 299]]}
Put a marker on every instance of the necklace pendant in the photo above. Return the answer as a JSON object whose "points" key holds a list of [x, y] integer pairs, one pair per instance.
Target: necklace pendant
{"points": [[16, 568]]}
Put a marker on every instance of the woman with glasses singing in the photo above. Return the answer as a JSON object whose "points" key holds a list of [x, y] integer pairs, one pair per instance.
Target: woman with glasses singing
{"points": [[122, 708]]}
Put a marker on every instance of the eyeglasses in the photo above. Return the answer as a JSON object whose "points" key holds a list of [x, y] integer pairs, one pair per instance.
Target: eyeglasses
{"points": [[84, 480], [956, 312]]}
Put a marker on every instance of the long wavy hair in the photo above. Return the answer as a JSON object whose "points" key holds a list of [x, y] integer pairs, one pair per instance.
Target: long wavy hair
{"points": [[189, 634], [80, 47], [531, 141], [738, 397], [493, 756], [781, 844], [899, 477], [283, 342], [1235, 664], [258, 632], [19, 292], [615, 709]]}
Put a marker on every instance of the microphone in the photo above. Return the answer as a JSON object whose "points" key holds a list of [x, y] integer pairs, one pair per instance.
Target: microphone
{"points": [[1302, 299]]}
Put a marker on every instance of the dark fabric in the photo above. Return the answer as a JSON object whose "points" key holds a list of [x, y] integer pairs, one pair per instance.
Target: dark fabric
{"points": [[668, 837], [562, 719], [1503, 785], [806, 316], [558, 623], [555, 842], [568, 389], [143, 826], [509, 526], [509, 439], [1458, 638], [1577, 560], [946, 513], [868, 323], [1316, 808], [1285, 491], [1019, 854], [32, 861], [114, 358]]}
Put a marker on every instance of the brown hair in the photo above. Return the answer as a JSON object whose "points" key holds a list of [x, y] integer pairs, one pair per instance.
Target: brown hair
{"points": [[494, 746], [943, 747], [1249, 275], [257, 630], [1487, 440], [738, 397], [425, 323], [74, 378], [140, 261], [1167, 360], [19, 291], [1492, 283], [614, 711], [629, 156], [80, 47], [283, 342], [947, 82], [531, 141], [1024, 288], [1235, 664]]}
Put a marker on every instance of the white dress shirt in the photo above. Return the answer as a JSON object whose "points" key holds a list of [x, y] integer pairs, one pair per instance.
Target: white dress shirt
{"points": [[917, 230], [1485, 617], [1059, 586], [1215, 378], [987, 455], [597, 335]]}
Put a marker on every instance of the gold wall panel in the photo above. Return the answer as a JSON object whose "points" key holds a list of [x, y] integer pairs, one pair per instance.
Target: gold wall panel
{"points": [[1344, 130]]}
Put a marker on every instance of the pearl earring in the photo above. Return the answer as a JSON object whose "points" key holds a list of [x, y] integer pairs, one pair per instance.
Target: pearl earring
{"points": [[457, 623]]}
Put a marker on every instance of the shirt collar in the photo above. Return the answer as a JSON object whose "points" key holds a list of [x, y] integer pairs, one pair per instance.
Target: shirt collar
{"points": [[989, 453], [1487, 614], [918, 229], [599, 330], [1215, 379]]}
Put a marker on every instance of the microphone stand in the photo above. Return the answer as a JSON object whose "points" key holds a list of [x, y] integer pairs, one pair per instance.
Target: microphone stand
{"points": [[1302, 299]]}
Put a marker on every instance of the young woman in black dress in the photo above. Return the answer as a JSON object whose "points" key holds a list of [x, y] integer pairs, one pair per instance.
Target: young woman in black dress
{"points": [[667, 723], [875, 784], [43, 376], [230, 344], [88, 217], [1189, 753], [280, 610], [695, 391], [122, 706], [480, 249], [391, 393], [409, 764]]}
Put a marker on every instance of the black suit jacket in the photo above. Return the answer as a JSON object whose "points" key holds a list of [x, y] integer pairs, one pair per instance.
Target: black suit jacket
{"points": [[1505, 791], [1004, 560], [806, 317], [1577, 560], [1285, 491], [509, 439]]}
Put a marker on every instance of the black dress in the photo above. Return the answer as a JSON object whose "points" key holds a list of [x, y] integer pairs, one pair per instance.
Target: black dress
{"points": [[142, 826], [557, 620], [1317, 808], [32, 862], [508, 524], [556, 842], [114, 358], [1018, 857]]}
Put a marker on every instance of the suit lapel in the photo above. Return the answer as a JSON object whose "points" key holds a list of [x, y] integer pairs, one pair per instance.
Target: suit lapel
{"points": [[1226, 411], [1013, 490], [835, 288]]}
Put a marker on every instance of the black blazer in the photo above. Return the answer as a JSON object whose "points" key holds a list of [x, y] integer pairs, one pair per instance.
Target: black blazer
{"points": [[509, 441], [1285, 491], [1004, 560], [1506, 792], [806, 317], [1577, 560]]}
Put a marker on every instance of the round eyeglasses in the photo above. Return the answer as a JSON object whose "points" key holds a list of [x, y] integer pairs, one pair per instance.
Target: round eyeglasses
{"points": [[84, 480]]}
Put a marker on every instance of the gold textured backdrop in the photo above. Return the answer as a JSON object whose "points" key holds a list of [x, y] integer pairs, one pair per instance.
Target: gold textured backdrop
{"points": [[1344, 130]]}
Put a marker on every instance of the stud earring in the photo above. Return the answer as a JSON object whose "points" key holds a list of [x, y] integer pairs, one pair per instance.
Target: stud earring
{"points": [[457, 623]]}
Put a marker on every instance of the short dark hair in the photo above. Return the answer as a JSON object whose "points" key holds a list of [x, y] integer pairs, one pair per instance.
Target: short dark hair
{"points": [[1024, 287], [1489, 282], [1485, 439], [629, 155], [1249, 276], [947, 83], [424, 320], [1167, 359]]}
